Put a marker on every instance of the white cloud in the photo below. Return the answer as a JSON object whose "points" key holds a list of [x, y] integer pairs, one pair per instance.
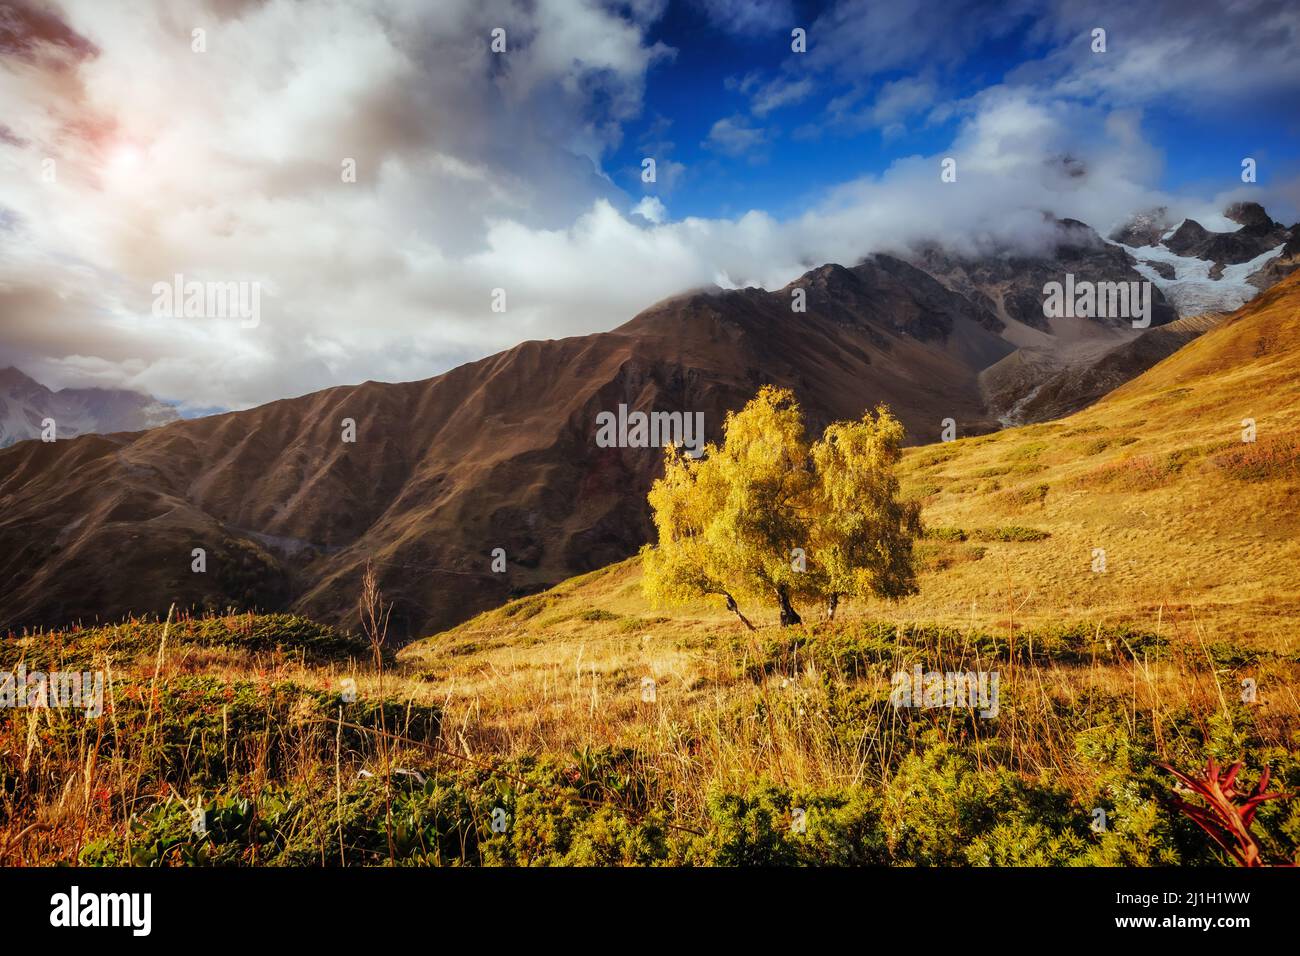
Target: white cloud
{"points": [[651, 209], [734, 136], [238, 154], [780, 92], [863, 38], [896, 102], [902, 99], [475, 172], [749, 17], [1191, 53]]}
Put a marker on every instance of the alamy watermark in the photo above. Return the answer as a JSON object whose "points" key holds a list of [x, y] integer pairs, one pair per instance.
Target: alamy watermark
{"points": [[928, 689], [83, 690], [180, 299], [1102, 300], [75, 908], [651, 430]]}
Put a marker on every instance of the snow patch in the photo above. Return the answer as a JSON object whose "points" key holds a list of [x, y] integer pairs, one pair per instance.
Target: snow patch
{"points": [[1191, 291]]}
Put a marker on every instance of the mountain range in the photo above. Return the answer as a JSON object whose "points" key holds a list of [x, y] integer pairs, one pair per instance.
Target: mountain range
{"points": [[499, 453], [25, 404]]}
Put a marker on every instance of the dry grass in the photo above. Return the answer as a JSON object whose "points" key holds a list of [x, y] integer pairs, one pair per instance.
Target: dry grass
{"points": [[513, 686], [729, 708], [1201, 536], [1192, 519]]}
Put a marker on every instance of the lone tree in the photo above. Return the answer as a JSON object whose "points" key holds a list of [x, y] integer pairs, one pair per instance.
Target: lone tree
{"points": [[769, 517]]}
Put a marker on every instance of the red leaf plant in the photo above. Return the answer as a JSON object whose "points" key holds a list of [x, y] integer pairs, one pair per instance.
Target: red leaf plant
{"points": [[1229, 812]]}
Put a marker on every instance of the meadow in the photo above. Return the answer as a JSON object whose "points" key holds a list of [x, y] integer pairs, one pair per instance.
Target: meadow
{"points": [[771, 748], [585, 725]]}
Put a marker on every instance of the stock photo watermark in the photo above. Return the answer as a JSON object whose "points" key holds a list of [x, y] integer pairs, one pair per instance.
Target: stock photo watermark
{"points": [[195, 299], [1084, 299], [926, 690], [624, 429], [75, 690]]}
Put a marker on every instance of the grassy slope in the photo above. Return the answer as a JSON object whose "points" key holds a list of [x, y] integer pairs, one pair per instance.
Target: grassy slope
{"points": [[1196, 525], [1199, 529], [538, 705], [1200, 533]]}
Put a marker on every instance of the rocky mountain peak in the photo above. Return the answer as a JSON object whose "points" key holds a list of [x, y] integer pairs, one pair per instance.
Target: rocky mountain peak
{"points": [[1144, 229], [1186, 237], [1251, 215]]}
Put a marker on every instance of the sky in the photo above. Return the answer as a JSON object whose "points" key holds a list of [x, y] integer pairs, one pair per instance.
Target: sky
{"points": [[499, 195]]}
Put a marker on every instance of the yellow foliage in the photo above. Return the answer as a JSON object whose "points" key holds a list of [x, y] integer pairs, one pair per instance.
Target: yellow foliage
{"points": [[769, 517]]}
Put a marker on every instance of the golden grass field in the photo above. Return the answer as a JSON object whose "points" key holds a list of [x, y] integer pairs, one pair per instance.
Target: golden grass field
{"points": [[1201, 533], [1104, 673]]}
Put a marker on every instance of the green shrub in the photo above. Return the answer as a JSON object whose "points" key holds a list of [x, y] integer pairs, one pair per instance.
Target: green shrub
{"points": [[287, 634], [1010, 533]]}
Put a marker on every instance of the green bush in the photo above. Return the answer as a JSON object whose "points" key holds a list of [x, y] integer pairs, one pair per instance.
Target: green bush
{"points": [[287, 634], [1010, 533]]}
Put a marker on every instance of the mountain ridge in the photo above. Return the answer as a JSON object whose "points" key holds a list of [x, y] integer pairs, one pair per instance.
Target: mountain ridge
{"points": [[497, 453], [25, 404]]}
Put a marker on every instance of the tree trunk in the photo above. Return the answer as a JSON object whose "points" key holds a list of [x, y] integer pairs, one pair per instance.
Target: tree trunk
{"points": [[731, 606], [831, 605], [788, 614]]}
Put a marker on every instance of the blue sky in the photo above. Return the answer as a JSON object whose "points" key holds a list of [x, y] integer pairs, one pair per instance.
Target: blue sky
{"points": [[1201, 138], [699, 86]]}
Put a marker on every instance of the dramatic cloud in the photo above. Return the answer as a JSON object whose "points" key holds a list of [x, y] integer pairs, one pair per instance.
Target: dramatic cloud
{"points": [[864, 38], [127, 158], [1191, 51]]}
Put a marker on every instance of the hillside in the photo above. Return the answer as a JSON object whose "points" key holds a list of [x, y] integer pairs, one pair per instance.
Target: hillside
{"points": [[501, 453], [1196, 524], [498, 453], [612, 732], [1078, 386], [538, 736], [1201, 531]]}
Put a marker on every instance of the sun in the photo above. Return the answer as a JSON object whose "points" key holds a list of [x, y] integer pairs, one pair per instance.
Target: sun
{"points": [[124, 159]]}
